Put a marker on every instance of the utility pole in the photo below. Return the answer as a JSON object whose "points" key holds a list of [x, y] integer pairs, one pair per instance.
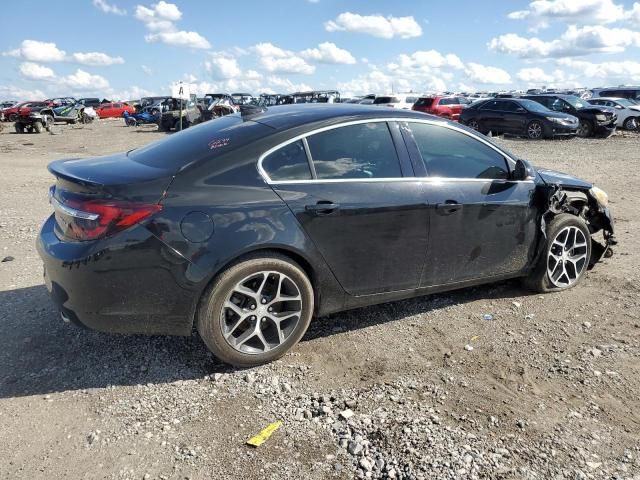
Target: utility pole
{"points": [[181, 95]]}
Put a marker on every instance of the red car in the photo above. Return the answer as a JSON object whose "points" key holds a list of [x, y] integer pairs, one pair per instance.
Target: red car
{"points": [[442, 106], [21, 109], [114, 110]]}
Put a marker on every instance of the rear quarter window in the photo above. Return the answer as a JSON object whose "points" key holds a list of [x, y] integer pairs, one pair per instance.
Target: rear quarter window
{"points": [[205, 141], [288, 163], [424, 102]]}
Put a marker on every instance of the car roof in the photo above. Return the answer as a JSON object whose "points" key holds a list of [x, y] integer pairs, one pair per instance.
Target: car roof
{"points": [[294, 115], [613, 99]]}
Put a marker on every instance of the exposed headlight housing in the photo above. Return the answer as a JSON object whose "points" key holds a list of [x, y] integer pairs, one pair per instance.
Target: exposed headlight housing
{"points": [[600, 117], [601, 196]]}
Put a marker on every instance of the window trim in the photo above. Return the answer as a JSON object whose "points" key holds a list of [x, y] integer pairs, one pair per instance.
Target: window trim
{"points": [[269, 181]]}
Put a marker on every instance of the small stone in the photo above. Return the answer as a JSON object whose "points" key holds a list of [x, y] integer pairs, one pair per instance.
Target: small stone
{"points": [[468, 348], [354, 448], [516, 304], [91, 438], [346, 414], [217, 376], [595, 352], [366, 465], [250, 378], [487, 316], [308, 415], [594, 465], [586, 324], [8, 259], [520, 424]]}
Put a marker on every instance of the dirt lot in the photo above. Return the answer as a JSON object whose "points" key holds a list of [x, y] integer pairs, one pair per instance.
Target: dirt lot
{"points": [[549, 391]]}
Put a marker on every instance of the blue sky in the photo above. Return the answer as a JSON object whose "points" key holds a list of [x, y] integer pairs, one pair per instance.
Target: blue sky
{"points": [[126, 49]]}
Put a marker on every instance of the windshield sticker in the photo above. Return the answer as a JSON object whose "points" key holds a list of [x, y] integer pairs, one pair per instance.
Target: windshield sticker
{"points": [[218, 143]]}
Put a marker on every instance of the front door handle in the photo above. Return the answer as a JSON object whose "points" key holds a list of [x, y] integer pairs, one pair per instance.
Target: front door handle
{"points": [[448, 207], [322, 208]]}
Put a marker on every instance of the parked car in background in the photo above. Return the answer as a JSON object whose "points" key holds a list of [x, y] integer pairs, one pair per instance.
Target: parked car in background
{"points": [[152, 104], [114, 110], [90, 102], [5, 105], [241, 98], [27, 108], [442, 106], [170, 118], [394, 100], [11, 113], [248, 227], [632, 93], [518, 117], [628, 111], [594, 120], [62, 101], [367, 99]]}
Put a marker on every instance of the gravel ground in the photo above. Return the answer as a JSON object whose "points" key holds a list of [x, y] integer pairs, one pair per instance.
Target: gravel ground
{"points": [[549, 389]]}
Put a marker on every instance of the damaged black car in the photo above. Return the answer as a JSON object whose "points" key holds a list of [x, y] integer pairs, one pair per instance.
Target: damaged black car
{"points": [[248, 226]]}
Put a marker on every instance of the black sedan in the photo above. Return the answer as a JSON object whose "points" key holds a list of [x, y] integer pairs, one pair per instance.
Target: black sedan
{"points": [[250, 224], [518, 117]]}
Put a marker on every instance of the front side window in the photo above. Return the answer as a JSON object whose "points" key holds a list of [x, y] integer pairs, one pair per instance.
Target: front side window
{"points": [[452, 154], [364, 150], [288, 163]]}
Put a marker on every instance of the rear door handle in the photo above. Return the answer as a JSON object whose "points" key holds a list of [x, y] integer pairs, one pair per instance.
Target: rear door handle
{"points": [[448, 207], [322, 208]]}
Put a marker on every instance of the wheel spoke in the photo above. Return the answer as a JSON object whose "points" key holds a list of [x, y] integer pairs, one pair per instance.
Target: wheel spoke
{"points": [[246, 335]]}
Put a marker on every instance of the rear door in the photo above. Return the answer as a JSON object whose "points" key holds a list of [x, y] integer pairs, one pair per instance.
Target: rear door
{"points": [[515, 117], [352, 189], [492, 116], [482, 224]]}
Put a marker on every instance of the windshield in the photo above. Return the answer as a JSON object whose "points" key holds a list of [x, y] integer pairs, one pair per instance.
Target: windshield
{"points": [[626, 102], [534, 106], [575, 102]]}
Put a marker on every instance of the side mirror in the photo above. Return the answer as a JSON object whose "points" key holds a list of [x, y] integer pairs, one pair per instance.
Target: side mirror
{"points": [[522, 170]]}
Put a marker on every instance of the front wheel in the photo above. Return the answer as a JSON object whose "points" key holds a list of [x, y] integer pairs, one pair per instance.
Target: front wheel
{"points": [[630, 123], [585, 129], [19, 127], [473, 124], [535, 130], [566, 255], [256, 310]]}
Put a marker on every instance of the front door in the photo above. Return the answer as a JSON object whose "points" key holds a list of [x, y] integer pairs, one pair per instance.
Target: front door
{"points": [[358, 203], [482, 224]]}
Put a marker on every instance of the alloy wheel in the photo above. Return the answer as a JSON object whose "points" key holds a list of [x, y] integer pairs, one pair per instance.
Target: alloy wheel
{"points": [[534, 130], [567, 258], [261, 312], [474, 125]]}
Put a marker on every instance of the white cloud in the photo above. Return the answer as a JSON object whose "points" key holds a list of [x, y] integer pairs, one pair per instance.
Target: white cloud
{"points": [[537, 77], [606, 72], [17, 93], [487, 75], [633, 15], [84, 81], [96, 59], [542, 12], [575, 41], [428, 60], [160, 20], [146, 69], [36, 51], [222, 67], [277, 60], [109, 8], [179, 39], [34, 71], [376, 25], [328, 52]]}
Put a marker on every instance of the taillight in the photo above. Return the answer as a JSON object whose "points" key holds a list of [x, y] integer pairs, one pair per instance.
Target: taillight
{"points": [[90, 219]]}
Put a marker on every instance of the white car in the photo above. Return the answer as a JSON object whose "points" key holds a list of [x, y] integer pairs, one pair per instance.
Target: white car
{"points": [[627, 110], [396, 100]]}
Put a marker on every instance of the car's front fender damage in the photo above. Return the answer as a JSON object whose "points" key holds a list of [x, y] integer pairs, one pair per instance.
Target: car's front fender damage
{"points": [[585, 204]]}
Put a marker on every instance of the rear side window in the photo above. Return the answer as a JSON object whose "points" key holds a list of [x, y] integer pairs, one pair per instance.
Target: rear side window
{"points": [[356, 151], [448, 101], [288, 163], [452, 154], [424, 102], [379, 100]]}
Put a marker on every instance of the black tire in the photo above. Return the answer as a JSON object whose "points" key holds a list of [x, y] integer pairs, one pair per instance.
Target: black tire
{"points": [[585, 129], [473, 124], [19, 127], [630, 123], [13, 117], [535, 130], [38, 127], [538, 280], [211, 308]]}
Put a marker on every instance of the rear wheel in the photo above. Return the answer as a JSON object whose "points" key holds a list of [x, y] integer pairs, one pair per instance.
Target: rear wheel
{"points": [[630, 123], [535, 130], [566, 255], [585, 129], [38, 127], [13, 117], [256, 310], [473, 123]]}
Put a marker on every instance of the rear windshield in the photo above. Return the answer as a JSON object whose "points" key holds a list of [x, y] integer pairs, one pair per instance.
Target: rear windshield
{"points": [[424, 102], [207, 140], [386, 100]]}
